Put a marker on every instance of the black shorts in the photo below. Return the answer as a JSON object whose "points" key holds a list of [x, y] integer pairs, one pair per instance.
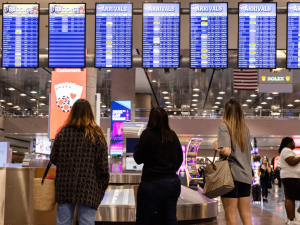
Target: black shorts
{"points": [[240, 190], [291, 188]]}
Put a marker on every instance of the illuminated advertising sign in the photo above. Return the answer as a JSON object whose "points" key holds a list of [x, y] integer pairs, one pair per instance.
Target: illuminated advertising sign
{"points": [[20, 35], [275, 82], [43, 145], [67, 86], [120, 112], [67, 35]]}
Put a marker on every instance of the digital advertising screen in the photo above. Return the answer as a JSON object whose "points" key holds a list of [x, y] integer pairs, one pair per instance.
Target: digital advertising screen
{"points": [[161, 35], [113, 35], [67, 86], [208, 37], [293, 33], [20, 35], [67, 35], [120, 113], [43, 145], [257, 35]]}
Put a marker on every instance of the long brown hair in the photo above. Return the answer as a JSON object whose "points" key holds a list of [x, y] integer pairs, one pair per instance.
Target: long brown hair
{"points": [[82, 118], [159, 121], [235, 121]]}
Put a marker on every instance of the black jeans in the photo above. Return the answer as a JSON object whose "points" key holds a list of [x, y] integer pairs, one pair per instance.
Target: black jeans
{"points": [[264, 187], [158, 198]]}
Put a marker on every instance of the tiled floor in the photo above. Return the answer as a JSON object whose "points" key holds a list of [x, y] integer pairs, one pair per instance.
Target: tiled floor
{"points": [[271, 213]]}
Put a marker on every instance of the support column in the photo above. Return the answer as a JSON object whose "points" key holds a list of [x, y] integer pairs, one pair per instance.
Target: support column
{"points": [[123, 87], [91, 87], [143, 102]]}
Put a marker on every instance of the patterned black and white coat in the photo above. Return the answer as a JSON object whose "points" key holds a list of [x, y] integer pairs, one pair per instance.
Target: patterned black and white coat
{"points": [[82, 173]]}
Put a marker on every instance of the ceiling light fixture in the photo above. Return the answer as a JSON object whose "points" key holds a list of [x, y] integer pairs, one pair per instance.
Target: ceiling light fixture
{"points": [[33, 99], [217, 103], [16, 106], [297, 100], [166, 97], [11, 89], [2, 100], [196, 89], [248, 100], [108, 70], [269, 98], [169, 106], [9, 103], [195, 100], [259, 107], [150, 71], [194, 104], [103, 106], [244, 105], [195, 95], [290, 105], [168, 102], [216, 106], [22, 95], [165, 92], [222, 92], [192, 110], [42, 103], [263, 103], [253, 95], [49, 81], [153, 81], [42, 97], [33, 92], [275, 93], [195, 108], [219, 97]]}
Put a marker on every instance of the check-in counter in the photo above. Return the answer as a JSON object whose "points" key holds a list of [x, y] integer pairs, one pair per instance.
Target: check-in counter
{"points": [[118, 205]]}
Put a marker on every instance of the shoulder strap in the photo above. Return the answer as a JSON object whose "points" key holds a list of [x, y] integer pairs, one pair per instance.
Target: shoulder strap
{"points": [[46, 171]]}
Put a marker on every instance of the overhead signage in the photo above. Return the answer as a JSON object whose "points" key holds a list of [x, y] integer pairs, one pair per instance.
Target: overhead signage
{"points": [[20, 35], [113, 35], [161, 35], [275, 82], [120, 113], [66, 88], [257, 35], [293, 33], [67, 35], [208, 42]]}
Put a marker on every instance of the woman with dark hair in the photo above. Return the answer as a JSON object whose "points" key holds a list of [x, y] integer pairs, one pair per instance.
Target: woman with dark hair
{"points": [[160, 151], [265, 176], [81, 158], [290, 177], [234, 142]]}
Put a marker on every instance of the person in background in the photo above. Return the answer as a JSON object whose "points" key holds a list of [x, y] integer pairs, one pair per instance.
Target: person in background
{"points": [[234, 142], [160, 151], [277, 175], [290, 177], [265, 176], [82, 175]]}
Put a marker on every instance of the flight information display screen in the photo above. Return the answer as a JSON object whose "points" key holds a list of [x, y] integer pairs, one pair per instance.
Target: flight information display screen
{"points": [[293, 35], [257, 35], [161, 31], [208, 35], [113, 35], [20, 35], [67, 35]]}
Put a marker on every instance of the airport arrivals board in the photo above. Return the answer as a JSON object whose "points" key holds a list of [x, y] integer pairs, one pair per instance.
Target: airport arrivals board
{"points": [[113, 35], [161, 35], [20, 35], [67, 35], [293, 35], [257, 35], [208, 42]]}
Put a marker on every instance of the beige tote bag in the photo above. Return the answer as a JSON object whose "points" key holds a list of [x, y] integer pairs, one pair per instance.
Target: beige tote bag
{"points": [[44, 192], [218, 178]]}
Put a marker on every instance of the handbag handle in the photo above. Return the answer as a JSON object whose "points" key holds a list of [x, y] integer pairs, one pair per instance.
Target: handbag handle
{"points": [[46, 171]]}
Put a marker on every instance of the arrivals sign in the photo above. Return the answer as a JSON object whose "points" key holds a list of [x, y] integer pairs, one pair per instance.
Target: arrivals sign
{"points": [[67, 86], [275, 82]]}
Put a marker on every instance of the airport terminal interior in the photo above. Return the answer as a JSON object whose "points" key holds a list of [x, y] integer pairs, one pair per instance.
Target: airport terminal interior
{"points": [[126, 57]]}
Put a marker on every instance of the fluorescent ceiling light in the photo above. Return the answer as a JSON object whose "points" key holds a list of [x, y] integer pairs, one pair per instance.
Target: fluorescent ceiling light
{"points": [[42, 97], [165, 92], [166, 97], [168, 102], [297, 100], [16, 106], [269, 98], [104, 106], [33, 92], [154, 81], [195, 100], [259, 107], [49, 81], [275, 93], [253, 95], [169, 106], [150, 71], [219, 97], [11, 89], [290, 105], [222, 92], [22, 95], [192, 110], [263, 103], [33, 99], [194, 104], [195, 108], [196, 89], [2, 100], [195, 95], [9, 103], [244, 105], [108, 70], [248, 100], [42, 103], [217, 103], [216, 106]]}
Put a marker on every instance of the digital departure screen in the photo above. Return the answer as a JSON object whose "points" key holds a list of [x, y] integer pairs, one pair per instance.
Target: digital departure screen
{"points": [[113, 35], [67, 35], [257, 35], [208, 35], [293, 35], [161, 31], [20, 35]]}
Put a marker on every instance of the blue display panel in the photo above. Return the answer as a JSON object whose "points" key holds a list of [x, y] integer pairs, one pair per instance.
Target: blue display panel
{"points": [[293, 35], [113, 35], [161, 31], [67, 35], [257, 35], [20, 35], [208, 46]]}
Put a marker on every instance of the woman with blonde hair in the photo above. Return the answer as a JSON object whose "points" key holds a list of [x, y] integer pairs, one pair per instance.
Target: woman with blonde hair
{"points": [[81, 158], [234, 142]]}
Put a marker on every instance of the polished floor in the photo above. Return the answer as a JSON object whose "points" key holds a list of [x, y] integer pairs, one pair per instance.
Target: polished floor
{"points": [[271, 213]]}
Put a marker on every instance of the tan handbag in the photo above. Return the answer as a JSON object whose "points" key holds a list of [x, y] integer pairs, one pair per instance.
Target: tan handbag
{"points": [[218, 178], [44, 193]]}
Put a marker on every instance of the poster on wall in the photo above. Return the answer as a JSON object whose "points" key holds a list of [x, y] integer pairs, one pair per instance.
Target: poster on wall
{"points": [[67, 86], [120, 112]]}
